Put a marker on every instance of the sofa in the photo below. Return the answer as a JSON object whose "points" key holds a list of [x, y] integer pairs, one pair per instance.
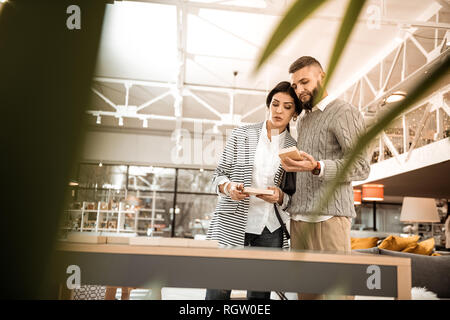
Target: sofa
{"points": [[428, 271]]}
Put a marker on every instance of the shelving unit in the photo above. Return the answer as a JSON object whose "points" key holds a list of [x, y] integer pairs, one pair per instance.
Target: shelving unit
{"points": [[120, 219], [153, 210]]}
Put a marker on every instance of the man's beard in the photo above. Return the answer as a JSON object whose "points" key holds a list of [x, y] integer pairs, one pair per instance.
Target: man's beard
{"points": [[308, 105]]}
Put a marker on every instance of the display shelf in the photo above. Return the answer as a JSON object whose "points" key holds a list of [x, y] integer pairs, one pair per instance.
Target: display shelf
{"points": [[116, 218], [150, 210]]}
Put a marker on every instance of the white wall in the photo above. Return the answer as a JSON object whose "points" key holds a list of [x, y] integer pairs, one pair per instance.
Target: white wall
{"points": [[158, 149]]}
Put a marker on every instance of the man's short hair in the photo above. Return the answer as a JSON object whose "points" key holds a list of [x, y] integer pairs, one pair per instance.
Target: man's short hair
{"points": [[302, 62]]}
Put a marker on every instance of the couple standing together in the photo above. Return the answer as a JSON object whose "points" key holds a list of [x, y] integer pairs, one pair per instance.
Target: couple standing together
{"points": [[326, 131]]}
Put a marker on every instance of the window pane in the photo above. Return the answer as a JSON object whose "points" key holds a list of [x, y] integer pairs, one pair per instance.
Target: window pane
{"points": [[104, 177], [145, 178], [195, 180], [154, 212], [93, 195], [194, 214]]}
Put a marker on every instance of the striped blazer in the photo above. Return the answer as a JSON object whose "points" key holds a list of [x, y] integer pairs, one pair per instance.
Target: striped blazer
{"points": [[229, 220]]}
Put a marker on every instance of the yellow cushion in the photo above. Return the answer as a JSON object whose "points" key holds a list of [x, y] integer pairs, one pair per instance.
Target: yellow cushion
{"points": [[364, 243], [396, 243], [424, 247]]}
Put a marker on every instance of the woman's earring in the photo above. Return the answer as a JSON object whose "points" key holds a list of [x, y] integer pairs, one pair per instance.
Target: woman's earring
{"points": [[295, 118]]}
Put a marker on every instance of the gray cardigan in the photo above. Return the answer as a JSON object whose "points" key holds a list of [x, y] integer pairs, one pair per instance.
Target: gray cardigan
{"points": [[328, 135]]}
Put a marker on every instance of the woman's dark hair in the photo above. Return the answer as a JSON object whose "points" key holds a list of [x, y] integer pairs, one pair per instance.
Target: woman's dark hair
{"points": [[285, 87]]}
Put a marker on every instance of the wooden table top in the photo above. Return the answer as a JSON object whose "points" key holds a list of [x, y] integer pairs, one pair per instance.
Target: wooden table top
{"points": [[238, 253]]}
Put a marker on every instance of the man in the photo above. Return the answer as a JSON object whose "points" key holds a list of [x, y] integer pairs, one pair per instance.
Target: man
{"points": [[327, 130]]}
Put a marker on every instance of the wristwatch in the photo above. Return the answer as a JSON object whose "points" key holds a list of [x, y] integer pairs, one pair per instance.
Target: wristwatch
{"points": [[316, 170]]}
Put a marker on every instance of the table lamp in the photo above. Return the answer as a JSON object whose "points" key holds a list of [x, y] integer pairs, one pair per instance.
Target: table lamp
{"points": [[356, 197], [415, 210], [373, 193]]}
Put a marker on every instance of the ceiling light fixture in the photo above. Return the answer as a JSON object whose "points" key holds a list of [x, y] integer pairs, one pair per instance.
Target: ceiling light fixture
{"points": [[395, 96], [121, 121], [145, 123], [99, 119], [100, 164]]}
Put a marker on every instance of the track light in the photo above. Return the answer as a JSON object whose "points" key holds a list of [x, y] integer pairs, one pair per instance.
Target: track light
{"points": [[99, 119], [100, 164], [145, 123], [121, 121]]}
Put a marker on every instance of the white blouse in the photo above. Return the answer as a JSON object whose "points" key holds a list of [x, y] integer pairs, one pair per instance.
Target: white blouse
{"points": [[261, 213]]}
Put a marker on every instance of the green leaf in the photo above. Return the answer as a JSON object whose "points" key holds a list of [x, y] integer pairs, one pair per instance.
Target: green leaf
{"points": [[396, 110], [296, 14], [351, 16]]}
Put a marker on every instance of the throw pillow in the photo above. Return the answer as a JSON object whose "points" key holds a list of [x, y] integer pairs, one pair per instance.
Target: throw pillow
{"points": [[424, 247], [396, 243], [364, 243]]}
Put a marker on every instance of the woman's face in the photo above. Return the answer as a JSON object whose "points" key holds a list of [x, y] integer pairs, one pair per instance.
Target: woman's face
{"points": [[282, 109]]}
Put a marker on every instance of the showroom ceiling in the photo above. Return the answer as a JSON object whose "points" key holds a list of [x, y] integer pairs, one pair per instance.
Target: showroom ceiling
{"points": [[205, 52]]}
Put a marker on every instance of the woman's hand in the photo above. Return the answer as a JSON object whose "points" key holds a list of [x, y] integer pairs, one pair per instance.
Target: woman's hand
{"points": [[277, 197], [235, 190]]}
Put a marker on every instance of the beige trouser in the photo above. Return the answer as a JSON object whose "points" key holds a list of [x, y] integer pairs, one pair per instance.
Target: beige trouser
{"points": [[329, 235]]}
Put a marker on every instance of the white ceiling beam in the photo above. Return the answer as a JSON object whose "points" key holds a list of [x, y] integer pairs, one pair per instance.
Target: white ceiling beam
{"points": [[378, 59], [223, 7], [370, 86], [104, 98], [419, 131], [274, 12], [390, 146], [446, 108], [127, 92], [152, 101], [205, 104], [444, 3], [157, 84], [196, 87], [160, 117], [260, 107], [227, 90], [388, 77], [419, 46]]}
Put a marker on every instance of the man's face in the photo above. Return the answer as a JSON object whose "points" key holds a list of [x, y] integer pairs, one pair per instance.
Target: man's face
{"points": [[307, 84]]}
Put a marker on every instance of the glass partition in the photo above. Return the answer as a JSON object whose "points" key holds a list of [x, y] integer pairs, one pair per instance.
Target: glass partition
{"points": [[102, 177], [140, 200], [195, 180]]}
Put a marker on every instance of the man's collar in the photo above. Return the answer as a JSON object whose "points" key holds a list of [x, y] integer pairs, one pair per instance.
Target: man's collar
{"points": [[323, 103]]}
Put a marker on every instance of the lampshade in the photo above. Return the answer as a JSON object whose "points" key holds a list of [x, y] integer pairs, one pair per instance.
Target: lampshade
{"points": [[419, 210], [373, 192], [356, 196]]}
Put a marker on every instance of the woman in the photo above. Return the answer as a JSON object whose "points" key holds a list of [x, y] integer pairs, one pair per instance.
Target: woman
{"points": [[250, 159]]}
